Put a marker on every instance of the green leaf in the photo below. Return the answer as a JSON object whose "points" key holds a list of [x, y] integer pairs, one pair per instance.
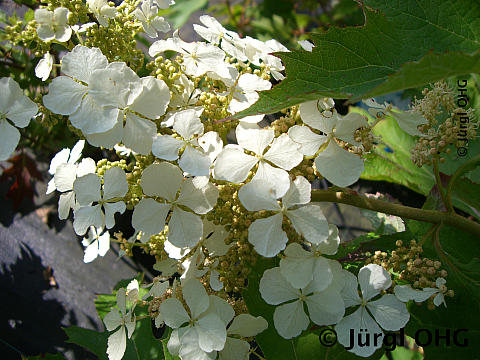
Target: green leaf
{"points": [[166, 353], [147, 346], [430, 68], [351, 62], [466, 197], [390, 159], [93, 341], [401, 353]]}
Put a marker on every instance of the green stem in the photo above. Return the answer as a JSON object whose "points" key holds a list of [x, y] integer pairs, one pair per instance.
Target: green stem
{"points": [[407, 212]]}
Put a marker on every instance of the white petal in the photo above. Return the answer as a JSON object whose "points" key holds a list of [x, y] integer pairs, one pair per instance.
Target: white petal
{"points": [[195, 162], [372, 279], [197, 196], [389, 312], [311, 116], [154, 98], [408, 121], [82, 61], [76, 152], [290, 319], [65, 175], [44, 67], [184, 229], [138, 134], [306, 45], [346, 126], [59, 158], [65, 203], [308, 140], [297, 266], [64, 95], [190, 348], [251, 137], [340, 167], [211, 143], [222, 308], [112, 320], [196, 297], [162, 180], [109, 138], [322, 274], [166, 147], [267, 236], [309, 222], [114, 183], [350, 290], [284, 153], [173, 313], [298, 193], [359, 320], [110, 210], [149, 216], [233, 165], [278, 177], [405, 293], [86, 166], [87, 216], [439, 299], [87, 187], [258, 195], [211, 333], [325, 307], [117, 343], [187, 124], [92, 118], [167, 267], [235, 349], [246, 325], [9, 138], [275, 289], [330, 245], [214, 281]]}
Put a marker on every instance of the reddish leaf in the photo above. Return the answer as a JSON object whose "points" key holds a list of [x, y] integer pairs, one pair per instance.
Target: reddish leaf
{"points": [[23, 171]]}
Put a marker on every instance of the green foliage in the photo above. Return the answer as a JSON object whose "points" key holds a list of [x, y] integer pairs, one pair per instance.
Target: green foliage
{"points": [[390, 159], [179, 13], [353, 62], [46, 357]]}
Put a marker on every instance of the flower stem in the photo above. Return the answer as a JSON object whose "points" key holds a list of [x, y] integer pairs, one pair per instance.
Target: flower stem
{"points": [[430, 216]]}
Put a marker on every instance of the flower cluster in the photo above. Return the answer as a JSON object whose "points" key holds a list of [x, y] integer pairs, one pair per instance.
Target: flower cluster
{"points": [[207, 196]]}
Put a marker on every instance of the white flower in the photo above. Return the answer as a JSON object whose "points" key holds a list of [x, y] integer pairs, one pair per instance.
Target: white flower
{"points": [[52, 25], [215, 33], [157, 288], [405, 293], [207, 322], [17, 108], [44, 67], [96, 244], [233, 164], [245, 94], [407, 120], [336, 164], [88, 189], [300, 266], [65, 169], [198, 57], [164, 180], [389, 312], [258, 51], [68, 96], [117, 341], [151, 22], [324, 307], [306, 45], [150, 98], [102, 11], [266, 235], [243, 325], [194, 160]]}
